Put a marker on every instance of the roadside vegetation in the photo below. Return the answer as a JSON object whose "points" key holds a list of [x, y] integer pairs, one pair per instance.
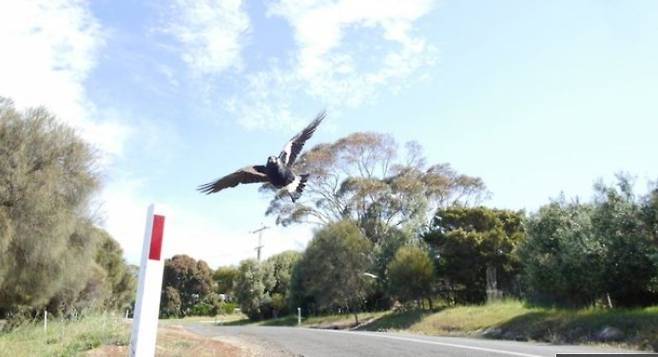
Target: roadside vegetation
{"points": [[406, 235], [513, 320], [65, 337], [394, 233], [53, 255]]}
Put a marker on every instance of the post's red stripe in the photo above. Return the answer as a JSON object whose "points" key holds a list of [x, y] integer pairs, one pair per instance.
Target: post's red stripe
{"points": [[156, 237]]}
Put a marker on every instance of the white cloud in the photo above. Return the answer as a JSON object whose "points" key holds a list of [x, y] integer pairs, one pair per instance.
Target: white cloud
{"points": [[186, 230], [347, 53], [49, 47], [212, 33]]}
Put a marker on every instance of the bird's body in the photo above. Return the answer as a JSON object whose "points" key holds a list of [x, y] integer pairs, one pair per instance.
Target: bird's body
{"points": [[278, 174], [278, 170]]}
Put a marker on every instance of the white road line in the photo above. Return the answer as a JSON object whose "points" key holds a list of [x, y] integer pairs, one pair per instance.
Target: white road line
{"points": [[409, 339]]}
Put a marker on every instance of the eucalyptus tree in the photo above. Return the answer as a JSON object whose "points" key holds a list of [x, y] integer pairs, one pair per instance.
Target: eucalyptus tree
{"points": [[362, 178]]}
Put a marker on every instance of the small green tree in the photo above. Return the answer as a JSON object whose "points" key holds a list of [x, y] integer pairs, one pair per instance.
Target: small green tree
{"points": [[280, 267], [382, 255], [332, 268], [411, 273], [252, 288]]}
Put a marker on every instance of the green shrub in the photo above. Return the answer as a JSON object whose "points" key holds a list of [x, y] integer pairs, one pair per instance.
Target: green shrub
{"points": [[202, 309]]}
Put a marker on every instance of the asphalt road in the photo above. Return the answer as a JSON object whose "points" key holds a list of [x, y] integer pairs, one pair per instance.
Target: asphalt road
{"points": [[282, 341]]}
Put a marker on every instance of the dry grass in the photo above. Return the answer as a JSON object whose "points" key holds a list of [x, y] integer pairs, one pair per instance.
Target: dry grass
{"points": [[174, 341]]}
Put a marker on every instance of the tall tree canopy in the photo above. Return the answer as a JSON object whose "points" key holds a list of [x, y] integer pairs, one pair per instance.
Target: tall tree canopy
{"points": [[360, 177]]}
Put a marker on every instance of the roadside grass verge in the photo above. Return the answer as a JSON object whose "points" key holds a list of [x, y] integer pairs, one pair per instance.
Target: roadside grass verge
{"points": [[513, 320], [220, 319], [65, 337], [510, 320], [338, 321]]}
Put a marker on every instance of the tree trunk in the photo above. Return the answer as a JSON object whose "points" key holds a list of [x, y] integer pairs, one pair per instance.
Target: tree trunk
{"points": [[429, 301]]}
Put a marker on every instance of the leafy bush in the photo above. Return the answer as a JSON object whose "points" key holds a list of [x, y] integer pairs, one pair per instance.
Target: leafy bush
{"points": [[607, 246], [411, 274], [562, 255], [228, 308], [202, 309]]}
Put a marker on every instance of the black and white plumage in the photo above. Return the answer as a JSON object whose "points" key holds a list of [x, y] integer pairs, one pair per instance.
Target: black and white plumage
{"points": [[277, 171]]}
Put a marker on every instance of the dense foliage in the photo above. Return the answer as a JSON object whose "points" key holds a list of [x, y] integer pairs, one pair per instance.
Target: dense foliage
{"points": [[224, 278], [608, 245], [469, 241], [391, 229], [52, 255], [186, 282], [411, 272], [331, 273]]}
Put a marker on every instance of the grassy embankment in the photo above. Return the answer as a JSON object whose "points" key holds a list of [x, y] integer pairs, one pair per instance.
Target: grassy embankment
{"points": [[504, 320], [514, 320]]}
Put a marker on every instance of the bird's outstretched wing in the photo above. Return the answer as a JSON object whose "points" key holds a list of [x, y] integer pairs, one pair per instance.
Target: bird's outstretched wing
{"points": [[249, 174], [295, 145]]}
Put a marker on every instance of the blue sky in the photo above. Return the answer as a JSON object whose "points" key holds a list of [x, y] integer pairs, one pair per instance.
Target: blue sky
{"points": [[535, 97]]}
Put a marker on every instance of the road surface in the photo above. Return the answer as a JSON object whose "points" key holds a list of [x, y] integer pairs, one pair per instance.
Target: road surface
{"points": [[293, 341]]}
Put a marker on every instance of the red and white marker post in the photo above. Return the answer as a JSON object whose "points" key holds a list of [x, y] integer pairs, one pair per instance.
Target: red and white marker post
{"points": [[147, 305]]}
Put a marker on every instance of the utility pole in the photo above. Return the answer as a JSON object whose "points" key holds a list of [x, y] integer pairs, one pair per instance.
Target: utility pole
{"points": [[260, 240]]}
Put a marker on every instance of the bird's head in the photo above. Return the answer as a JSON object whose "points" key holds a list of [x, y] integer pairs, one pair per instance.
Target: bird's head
{"points": [[272, 160]]}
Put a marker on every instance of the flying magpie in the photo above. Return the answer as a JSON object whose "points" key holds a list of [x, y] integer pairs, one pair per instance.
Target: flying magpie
{"points": [[277, 171]]}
